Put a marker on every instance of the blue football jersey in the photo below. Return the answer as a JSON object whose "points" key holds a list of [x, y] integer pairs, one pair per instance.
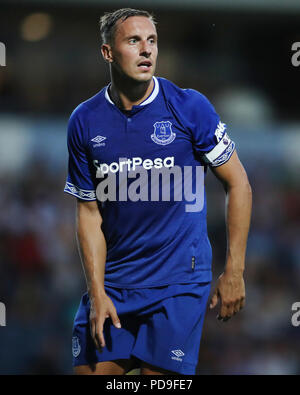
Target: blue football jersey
{"points": [[153, 160]]}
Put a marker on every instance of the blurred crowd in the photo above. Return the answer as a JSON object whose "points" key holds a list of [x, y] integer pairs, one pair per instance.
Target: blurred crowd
{"points": [[40, 274], [53, 58], [260, 339]]}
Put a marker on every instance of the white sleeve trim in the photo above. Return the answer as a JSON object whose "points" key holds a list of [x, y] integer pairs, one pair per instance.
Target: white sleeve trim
{"points": [[85, 194]]}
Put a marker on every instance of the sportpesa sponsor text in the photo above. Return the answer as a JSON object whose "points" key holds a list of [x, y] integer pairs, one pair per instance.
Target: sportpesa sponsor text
{"points": [[132, 164]]}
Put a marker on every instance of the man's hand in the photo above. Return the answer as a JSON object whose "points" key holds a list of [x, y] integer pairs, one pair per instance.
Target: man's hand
{"points": [[101, 308], [230, 289]]}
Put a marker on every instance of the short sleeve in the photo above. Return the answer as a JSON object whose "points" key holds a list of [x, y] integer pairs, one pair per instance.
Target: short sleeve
{"points": [[79, 180], [210, 139]]}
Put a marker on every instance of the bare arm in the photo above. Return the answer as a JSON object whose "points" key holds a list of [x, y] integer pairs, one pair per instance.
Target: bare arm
{"points": [[92, 248], [230, 287]]}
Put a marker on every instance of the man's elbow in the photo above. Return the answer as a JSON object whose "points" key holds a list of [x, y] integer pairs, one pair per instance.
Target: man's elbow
{"points": [[246, 189], [241, 184], [246, 183]]}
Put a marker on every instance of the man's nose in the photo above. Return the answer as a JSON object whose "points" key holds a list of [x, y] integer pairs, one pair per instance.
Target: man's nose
{"points": [[145, 49]]}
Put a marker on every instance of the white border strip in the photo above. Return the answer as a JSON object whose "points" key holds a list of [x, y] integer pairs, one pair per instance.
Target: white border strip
{"points": [[85, 194], [218, 149], [107, 95], [147, 101], [225, 156], [153, 94]]}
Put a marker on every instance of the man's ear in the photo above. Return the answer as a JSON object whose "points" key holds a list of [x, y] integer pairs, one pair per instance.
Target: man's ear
{"points": [[107, 53]]}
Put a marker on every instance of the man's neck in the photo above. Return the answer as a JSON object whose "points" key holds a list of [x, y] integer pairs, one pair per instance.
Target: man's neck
{"points": [[128, 93]]}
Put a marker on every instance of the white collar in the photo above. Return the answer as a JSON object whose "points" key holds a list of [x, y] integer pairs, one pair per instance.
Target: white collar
{"points": [[149, 99]]}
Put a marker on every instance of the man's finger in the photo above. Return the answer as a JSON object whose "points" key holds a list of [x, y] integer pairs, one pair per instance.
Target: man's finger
{"points": [[98, 342], [237, 306], [230, 310], [214, 300], [240, 304], [224, 319], [99, 335], [224, 310], [92, 329], [115, 319], [94, 334]]}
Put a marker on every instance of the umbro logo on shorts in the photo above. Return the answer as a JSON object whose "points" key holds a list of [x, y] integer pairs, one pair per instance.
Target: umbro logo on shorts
{"points": [[178, 354]]}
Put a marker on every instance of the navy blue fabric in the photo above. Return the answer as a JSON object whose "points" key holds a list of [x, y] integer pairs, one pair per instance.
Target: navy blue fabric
{"points": [[161, 326]]}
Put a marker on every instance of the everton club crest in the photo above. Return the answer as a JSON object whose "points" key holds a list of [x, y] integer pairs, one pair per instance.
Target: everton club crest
{"points": [[163, 133], [75, 346]]}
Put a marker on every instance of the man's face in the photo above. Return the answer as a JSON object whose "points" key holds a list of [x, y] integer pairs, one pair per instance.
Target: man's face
{"points": [[134, 49]]}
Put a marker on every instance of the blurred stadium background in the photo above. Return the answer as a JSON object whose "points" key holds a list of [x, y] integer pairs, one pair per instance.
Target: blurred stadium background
{"points": [[239, 55]]}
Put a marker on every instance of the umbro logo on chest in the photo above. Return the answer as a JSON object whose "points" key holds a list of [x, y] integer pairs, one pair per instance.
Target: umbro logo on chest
{"points": [[99, 141]]}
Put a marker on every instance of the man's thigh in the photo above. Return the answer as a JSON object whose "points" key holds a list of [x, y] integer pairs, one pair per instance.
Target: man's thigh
{"points": [[117, 367], [147, 370]]}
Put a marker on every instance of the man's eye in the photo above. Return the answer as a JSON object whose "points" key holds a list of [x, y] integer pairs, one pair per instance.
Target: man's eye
{"points": [[132, 41]]}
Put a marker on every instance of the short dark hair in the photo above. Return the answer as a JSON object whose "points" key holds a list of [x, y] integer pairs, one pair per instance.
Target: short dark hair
{"points": [[108, 21]]}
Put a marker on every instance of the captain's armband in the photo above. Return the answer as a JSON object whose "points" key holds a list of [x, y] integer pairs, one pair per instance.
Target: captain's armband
{"points": [[220, 153]]}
